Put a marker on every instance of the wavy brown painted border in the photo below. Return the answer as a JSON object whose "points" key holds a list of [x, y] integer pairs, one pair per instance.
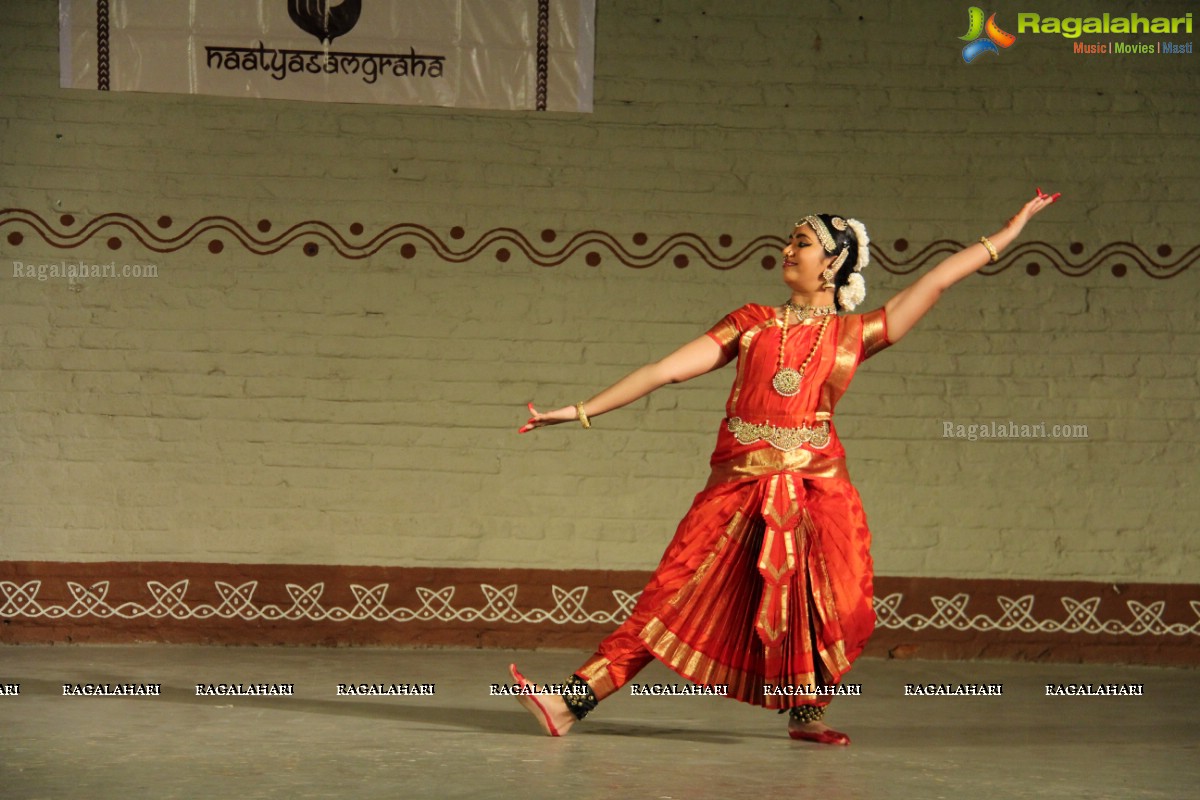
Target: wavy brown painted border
{"points": [[548, 248]]}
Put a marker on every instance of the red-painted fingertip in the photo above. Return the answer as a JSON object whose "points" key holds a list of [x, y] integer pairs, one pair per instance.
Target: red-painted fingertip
{"points": [[530, 407], [1054, 197]]}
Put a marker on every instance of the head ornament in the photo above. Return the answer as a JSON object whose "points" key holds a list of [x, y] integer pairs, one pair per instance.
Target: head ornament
{"points": [[854, 290]]}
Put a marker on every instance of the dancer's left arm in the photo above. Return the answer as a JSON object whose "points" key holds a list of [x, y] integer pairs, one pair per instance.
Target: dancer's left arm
{"points": [[912, 303]]}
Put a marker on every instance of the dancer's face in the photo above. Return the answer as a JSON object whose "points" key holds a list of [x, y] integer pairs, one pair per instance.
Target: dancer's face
{"points": [[803, 260]]}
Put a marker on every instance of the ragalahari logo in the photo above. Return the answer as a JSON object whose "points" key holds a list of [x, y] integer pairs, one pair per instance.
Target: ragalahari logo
{"points": [[983, 37]]}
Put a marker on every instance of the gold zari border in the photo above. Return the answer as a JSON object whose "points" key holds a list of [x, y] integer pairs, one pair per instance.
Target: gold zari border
{"points": [[874, 335], [598, 678], [768, 461], [702, 670]]}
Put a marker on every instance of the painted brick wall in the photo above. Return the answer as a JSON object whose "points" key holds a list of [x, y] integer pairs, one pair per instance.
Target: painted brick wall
{"points": [[293, 408]]}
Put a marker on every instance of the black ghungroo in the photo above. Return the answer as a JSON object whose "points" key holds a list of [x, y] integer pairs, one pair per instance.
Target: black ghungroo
{"points": [[806, 714], [580, 698]]}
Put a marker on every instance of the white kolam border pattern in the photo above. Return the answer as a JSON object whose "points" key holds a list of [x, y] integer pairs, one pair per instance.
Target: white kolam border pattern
{"points": [[170, 602]]}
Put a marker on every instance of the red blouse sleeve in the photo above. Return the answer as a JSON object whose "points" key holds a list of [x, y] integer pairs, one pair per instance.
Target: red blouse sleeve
{"points": [[874, 333], [728, 332]]}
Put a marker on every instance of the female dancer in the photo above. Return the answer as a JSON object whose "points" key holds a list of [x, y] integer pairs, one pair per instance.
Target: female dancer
{"points": [[767, 586]]}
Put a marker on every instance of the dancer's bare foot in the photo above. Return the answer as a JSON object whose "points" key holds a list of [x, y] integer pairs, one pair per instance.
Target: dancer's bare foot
{"points": [[550, 710], [817, 732]]}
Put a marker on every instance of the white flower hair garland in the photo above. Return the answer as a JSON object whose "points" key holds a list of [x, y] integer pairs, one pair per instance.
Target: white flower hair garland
{"points": [[855, 290]]}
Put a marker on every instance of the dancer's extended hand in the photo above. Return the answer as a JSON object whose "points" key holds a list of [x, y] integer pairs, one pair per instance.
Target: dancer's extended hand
{"points": [[1027, 211], [539, 419], [911, 303]]}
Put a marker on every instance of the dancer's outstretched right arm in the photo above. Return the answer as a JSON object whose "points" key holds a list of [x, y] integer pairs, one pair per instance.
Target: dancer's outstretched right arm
{"points": [[694, 358]]}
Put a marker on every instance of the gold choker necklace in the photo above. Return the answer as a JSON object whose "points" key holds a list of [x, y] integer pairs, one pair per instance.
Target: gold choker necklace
{"points": [[787, 380]]}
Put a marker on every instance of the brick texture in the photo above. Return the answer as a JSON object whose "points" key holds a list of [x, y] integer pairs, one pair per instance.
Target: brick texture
{"points": [[289, 409]]}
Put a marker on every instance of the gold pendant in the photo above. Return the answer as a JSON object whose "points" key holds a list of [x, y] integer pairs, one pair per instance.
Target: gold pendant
{"points": [[787, 382]]}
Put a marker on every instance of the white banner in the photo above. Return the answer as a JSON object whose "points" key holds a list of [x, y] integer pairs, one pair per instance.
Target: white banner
{"points": [[506, 54]]}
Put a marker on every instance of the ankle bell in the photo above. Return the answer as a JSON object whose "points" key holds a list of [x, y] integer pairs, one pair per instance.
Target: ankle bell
{"points": [[806, 714], [579, 697]]}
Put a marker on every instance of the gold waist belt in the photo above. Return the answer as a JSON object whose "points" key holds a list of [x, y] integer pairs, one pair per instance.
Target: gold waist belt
{"points": [[780, 438]]}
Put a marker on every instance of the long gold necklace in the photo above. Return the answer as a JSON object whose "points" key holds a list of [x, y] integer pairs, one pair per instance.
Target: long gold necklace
{"points": [[787, 380]]}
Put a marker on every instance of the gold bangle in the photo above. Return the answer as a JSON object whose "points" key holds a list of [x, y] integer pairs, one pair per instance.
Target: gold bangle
{"points": [[583, 417], [991, 248]]}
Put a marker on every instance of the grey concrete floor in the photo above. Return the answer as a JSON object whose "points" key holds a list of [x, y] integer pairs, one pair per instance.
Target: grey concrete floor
{"points": [[461, 742]]}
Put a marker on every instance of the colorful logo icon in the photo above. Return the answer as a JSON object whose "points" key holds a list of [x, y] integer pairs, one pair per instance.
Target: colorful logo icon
{"points": [[983, 37]]}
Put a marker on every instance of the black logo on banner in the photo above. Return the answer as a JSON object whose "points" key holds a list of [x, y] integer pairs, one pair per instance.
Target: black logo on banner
{"points": [[325, 19]]}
